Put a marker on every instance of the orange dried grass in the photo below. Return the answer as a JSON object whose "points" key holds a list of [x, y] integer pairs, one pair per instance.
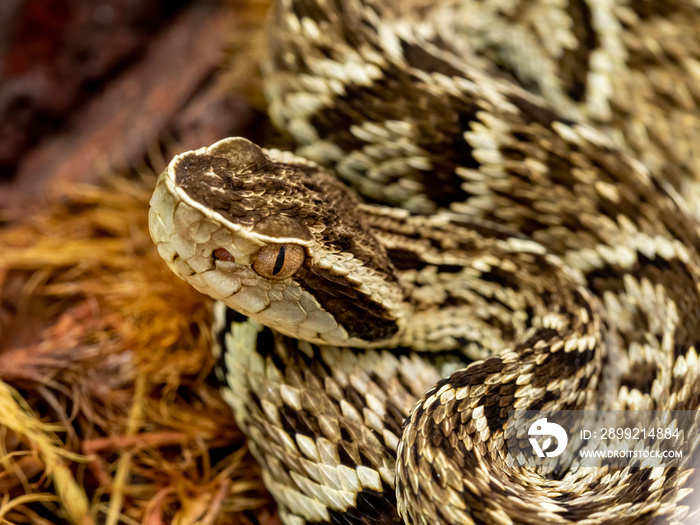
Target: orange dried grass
{"points": [[107, 410]]}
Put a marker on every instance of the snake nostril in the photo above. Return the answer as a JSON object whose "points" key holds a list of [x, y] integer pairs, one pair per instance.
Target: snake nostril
{"points": [[222, 255]]}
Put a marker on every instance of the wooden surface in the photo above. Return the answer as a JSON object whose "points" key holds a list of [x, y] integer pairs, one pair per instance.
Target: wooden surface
{"points": [[167, 95]]}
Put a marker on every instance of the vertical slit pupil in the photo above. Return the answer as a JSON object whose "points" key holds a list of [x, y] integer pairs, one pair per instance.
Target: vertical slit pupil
{"points": [[279, 263]]}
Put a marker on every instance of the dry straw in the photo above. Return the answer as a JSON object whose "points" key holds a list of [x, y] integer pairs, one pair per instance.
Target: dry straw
{"points": [[108, 409]]}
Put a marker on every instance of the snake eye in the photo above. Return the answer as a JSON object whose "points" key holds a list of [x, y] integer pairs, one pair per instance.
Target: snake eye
{"points": [[279, 261]]}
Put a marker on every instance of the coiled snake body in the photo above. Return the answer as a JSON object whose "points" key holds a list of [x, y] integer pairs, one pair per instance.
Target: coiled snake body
{"points": [[520, 234]]}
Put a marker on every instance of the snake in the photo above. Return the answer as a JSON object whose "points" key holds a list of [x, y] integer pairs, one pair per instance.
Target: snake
{"points": [[489, 208]]}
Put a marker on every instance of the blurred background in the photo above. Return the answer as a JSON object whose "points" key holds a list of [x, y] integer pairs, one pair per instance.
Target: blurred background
{"points": [[87, 86], [109, 409]]}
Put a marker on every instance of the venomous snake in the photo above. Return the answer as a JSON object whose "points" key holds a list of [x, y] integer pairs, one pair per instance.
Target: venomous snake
{"points": [[509, 225]]}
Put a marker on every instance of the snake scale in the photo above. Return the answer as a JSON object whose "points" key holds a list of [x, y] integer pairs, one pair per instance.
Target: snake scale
{"points": [[491, 207]]}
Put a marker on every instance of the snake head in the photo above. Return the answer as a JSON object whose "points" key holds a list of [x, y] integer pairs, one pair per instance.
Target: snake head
{"points": [[276, 238]]}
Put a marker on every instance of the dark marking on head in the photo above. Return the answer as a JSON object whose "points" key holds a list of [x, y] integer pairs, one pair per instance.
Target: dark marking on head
{"points": [[283, 225], [363, 319], [190, 169], [290, 201]]}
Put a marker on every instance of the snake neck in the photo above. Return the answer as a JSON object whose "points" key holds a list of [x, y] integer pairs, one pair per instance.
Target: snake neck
{"points": [[473, 287], [367, 275]]}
